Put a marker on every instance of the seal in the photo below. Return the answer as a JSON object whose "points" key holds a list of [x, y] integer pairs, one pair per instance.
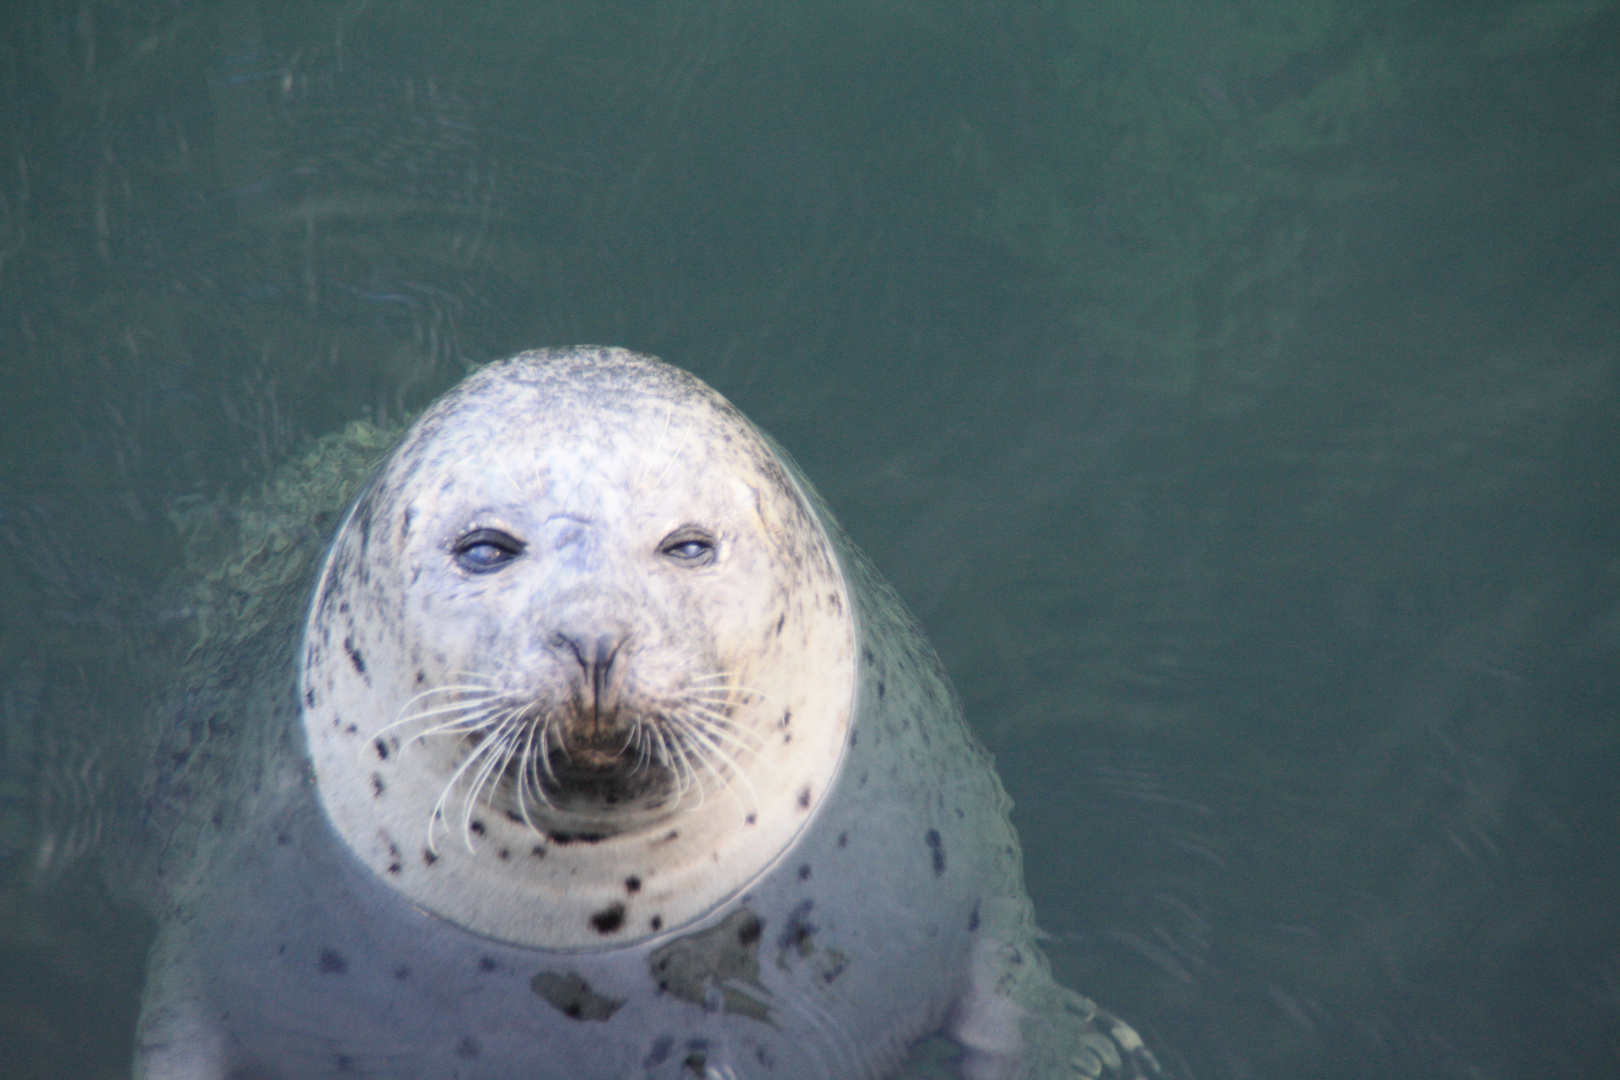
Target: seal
{"points": [[602, 754]]}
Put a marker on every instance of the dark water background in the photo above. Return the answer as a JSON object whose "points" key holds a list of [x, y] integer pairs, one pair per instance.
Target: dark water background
{"points": [[1230, 387]]}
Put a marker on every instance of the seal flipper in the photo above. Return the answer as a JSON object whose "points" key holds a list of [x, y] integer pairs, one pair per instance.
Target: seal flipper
{"points": [[1068, 1036], [1015, 1022], [176, 1037]]}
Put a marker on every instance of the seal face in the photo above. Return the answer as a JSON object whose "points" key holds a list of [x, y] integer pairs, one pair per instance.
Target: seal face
{"points": [[580, 664]]}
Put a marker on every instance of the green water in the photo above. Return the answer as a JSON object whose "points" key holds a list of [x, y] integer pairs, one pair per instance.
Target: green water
{"points": [[1231, 388]]}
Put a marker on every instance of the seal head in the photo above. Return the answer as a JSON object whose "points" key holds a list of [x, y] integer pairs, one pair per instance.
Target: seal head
{"points": [[580, 663]]}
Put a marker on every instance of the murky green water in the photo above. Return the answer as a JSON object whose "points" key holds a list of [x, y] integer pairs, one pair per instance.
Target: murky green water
{"points": [[1231, 388]]}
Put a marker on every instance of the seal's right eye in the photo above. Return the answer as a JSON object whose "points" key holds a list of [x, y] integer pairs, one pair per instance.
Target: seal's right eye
{"points": [[483, 550]]}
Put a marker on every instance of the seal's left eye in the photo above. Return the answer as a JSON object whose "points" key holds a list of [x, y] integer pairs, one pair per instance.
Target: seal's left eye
{"points": [[483, 550], [690, 546]]}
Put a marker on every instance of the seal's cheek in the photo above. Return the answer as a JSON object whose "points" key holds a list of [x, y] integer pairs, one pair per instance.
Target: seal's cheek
{"points": [[736, 602]]}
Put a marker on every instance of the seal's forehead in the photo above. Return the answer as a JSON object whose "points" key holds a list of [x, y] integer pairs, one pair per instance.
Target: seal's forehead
{"points": [[609, 402], [612, 382]]}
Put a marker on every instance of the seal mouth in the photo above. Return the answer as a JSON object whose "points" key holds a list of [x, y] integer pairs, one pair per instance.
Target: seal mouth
{"points": [[597, 778], [603, 774], [575, 767]]}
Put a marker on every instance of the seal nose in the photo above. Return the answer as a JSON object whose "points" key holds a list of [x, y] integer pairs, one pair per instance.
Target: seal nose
{"points": [[595, 656]]}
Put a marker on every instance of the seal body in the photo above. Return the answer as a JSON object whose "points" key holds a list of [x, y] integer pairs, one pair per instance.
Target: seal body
{"points": [[602, 754]]}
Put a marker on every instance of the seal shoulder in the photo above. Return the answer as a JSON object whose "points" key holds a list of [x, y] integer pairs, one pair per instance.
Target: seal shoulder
{"points": [[246, 563]]}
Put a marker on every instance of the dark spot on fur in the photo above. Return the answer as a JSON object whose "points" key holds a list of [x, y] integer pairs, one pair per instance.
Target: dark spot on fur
{"points": [[787, 717], [781, 621], [421, 677], [331, 962], [656, 922], [750, 819], [936, 848], [882, 688], [658, 1052], [538, 851], [799, 934], [504, 854], [344, 1063], [428, 858], [804, 872], [283, 839], [697, 1063], [309, 698], [804, 798], [478, 827], [382, 750], [973, 919], [402, 973], [749, 931], [836, 968], [564, 839], [396, 867], [609, 920], [632, 884], [843, 839], [377, 786], [351, 730], [466, 1048], [355, 658], [487, 963], [572, 996]]}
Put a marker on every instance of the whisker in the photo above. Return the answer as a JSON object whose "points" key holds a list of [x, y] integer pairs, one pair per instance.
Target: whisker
{"points": [[494, 763], [440, 805], [470, 724], [698, 733], [673, 761], [721, 725], [524, 774], [659, 445], [673, 458], [706, 755], [638, 740], [720, 682], [479, 695]]}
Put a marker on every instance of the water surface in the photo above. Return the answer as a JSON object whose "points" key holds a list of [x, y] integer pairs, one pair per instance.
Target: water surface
{"points": [[1230, 388]]}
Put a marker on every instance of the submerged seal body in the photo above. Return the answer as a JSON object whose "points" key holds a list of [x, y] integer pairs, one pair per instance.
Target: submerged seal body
{"points": [[602, 755]]}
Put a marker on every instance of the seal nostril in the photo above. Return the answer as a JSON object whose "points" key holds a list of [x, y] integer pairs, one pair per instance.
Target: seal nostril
{"points": [[595, 661], [607, 649]]}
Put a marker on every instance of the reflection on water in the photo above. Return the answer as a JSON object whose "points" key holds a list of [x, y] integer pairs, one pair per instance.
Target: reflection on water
{"points": [[1231, 390]]}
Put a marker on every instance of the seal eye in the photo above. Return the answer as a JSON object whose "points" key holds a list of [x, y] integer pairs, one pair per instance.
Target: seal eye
{"points": [[689, 546], [483, 550]]}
